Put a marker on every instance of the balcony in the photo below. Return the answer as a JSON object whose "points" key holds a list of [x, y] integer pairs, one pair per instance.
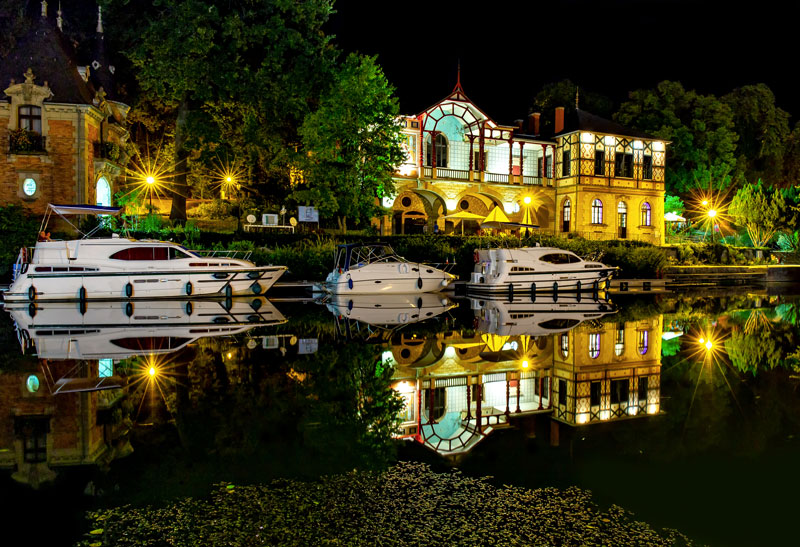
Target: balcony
{"points": [[108, 157], [22, 141]]}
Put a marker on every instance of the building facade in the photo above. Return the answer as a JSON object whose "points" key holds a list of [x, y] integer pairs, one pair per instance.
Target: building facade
{"points": [[591, 178], [61, 123]]}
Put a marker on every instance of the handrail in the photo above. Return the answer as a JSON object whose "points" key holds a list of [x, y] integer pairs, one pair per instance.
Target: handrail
{"points": [[209, 253]]}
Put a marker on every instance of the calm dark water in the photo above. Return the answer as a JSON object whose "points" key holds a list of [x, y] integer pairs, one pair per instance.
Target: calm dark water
{"points": [[682, 409]]}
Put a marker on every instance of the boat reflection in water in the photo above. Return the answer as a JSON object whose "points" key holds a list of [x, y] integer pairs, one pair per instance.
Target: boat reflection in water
{"points": [[120, 329], [522, 359], [357, 314], [69, 406]]}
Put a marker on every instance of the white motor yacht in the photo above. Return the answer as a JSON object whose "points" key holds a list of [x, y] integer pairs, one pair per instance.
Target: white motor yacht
{"points": [[535, 269], [117, 268], [376, 269], [123, 329], [537, 317]]}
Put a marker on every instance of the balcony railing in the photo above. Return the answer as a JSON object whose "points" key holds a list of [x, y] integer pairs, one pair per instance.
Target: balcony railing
{"points": [[496, 177], [536, 181], [22, 141], [453, 174], [107, 150]]}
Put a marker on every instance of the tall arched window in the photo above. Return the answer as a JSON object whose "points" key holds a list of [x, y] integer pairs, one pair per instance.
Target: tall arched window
{"points": [[597, 212], [103, 192], [565, 345], [645, 214], [643, 341], [594, 345], [567, 214], [441, 151], [622, 219], [619, 342]]}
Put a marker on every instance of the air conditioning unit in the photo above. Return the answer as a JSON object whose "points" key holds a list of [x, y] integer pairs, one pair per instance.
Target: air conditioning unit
{"points": [[269, 219]]}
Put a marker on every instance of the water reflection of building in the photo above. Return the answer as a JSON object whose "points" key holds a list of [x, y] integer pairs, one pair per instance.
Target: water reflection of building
{"points": [[607, 371], [459, 387], [53, 418]]}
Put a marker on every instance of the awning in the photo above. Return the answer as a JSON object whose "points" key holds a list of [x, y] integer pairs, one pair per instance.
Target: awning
{"points": [[84, 210]]}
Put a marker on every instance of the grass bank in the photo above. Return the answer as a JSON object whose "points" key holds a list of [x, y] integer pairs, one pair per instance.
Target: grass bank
{"points": [[408, 504]]}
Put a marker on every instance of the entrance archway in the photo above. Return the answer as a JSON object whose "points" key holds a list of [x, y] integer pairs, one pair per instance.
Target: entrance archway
{"points": [[103, 192]]}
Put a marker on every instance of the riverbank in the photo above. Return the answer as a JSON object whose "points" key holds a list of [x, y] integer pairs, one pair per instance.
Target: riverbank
{"points": [[408, 504]]}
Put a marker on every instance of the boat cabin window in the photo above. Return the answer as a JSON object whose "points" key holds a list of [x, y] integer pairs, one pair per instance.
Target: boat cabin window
{"points": [[151, 342], [144, 253], [556, 324], [559, 258], [175, 253]]}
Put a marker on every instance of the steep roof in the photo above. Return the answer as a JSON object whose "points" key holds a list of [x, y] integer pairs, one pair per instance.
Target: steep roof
{"points": [[580, 120], [51, 57]]}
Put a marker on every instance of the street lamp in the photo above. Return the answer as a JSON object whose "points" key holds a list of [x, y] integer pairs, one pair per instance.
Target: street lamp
{"points": [[150, 180]]}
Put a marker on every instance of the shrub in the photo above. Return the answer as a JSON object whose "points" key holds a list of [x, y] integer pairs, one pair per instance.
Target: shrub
{"points": [[19, 230], [213, 210]]}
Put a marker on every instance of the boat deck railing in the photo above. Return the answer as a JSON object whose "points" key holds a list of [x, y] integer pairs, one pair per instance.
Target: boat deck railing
{"points": [[241, 255]]}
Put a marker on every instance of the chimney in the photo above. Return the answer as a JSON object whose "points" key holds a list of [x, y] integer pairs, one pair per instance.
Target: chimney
{"points": [[533, 123], [519, 124], [559, 119]]}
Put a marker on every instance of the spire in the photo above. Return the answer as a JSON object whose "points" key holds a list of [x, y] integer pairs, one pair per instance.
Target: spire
{"points": [[59, 20], [576, 98], [458, 88], [99, 20], [44, 8]]}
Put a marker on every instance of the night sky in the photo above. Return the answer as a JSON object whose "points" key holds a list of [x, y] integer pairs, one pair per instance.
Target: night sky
{"points": [[508, 50]]}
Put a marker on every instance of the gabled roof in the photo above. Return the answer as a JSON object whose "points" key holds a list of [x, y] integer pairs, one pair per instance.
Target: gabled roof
{"points": [[458, 96], [580, 120], [51, 57]]}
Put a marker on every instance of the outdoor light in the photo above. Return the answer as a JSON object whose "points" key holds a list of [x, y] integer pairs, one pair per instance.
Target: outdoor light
{"points": [[150, 180], [709, 345], [152, 371], [228, 179], [705, 203], [712, 213], [524, 364], [527, 200]]}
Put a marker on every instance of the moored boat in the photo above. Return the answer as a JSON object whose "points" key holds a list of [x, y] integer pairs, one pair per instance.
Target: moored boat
{"points": [[116, 267], [376, 269], [535, 269]]}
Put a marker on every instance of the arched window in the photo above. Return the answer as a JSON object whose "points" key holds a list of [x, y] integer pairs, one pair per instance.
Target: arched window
{"points": [[565, 345], [567, 214], [594, 345], [441, 151], [597, 212], [103, 192], [622, 217], [645, 214], [643, 341]]}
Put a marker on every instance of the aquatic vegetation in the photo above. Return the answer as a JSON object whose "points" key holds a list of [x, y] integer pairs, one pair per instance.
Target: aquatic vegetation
{"points": [[408, 504]]}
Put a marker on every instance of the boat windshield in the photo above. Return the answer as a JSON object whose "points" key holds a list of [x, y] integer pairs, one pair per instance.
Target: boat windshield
{"points": [[370, 254]]}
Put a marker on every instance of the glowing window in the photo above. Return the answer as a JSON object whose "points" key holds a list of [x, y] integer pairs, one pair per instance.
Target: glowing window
{"points": [[103, 197], [594, 345], [645, 214], [32, 383], [565, 345], [619, 343], [30, 118], [643, 341], [597, 212], [105, 368], [29, 186]]}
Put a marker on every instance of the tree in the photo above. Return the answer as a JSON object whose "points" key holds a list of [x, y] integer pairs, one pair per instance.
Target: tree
{"points": [[701, 130], [673, 204], [763, 131], [352, 144], [563, 93], [239, 75], [761, 210]]}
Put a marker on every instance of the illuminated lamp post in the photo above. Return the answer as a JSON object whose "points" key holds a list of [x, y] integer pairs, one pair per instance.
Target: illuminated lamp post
{"points": [[712, 213], [526, 218], [151, 181]]}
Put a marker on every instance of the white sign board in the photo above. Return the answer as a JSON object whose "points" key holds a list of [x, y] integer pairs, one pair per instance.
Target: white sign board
{"points": [[307, 214]]}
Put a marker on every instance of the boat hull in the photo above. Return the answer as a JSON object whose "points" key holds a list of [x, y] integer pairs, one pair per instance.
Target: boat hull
{"points": [[391, 278], [583, 281], [142, 284]]}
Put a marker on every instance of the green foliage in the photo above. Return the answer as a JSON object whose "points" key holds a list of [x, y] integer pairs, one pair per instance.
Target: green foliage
{"points": [[761, 210], [562, 93], [763, 131], [216, 209], [673, 204], [19, 230], [701, 128], [352, 144]]}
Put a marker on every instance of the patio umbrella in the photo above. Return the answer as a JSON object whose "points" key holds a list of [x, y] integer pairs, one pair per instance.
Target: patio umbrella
{"points": [[494, 342], [495, 219], [464, 215]]}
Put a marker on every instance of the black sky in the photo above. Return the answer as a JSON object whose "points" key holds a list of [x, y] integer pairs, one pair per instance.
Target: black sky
{"points": [[508, 50]]}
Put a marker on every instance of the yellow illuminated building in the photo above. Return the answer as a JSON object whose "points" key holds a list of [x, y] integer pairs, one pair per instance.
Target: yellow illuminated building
{"points": [[592, 177]]}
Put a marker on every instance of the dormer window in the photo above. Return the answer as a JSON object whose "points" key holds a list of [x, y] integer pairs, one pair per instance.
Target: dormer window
{"points": [[30, 118]]}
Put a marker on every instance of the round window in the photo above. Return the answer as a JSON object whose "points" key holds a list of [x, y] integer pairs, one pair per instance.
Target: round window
{"points": [[406, 201], [464, 204], [32, 383], [29, 187]]}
